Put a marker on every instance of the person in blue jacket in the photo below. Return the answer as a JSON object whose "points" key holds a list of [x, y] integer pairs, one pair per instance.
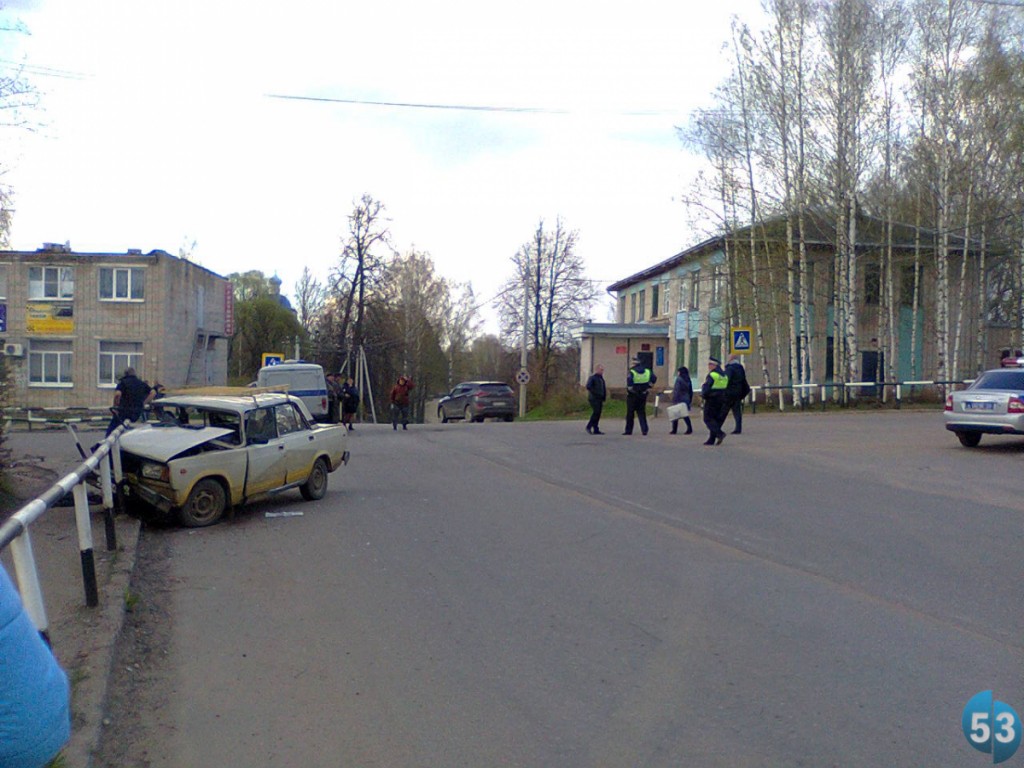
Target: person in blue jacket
{"points": [[35, 700]]}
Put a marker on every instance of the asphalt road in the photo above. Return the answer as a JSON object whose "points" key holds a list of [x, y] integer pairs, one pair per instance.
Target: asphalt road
{"points": [[824, 590]]}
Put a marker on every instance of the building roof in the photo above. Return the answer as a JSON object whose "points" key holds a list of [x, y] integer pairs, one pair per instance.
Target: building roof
{"points": [[626, 330], [819, 232]]}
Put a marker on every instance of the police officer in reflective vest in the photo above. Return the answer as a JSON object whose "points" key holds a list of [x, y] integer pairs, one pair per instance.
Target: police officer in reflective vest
{"points": [[638, 383], [713, 392]]}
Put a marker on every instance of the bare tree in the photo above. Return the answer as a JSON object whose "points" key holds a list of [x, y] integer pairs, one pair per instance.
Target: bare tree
{"points": [[309, 300], [360, 268], [549, 293]]}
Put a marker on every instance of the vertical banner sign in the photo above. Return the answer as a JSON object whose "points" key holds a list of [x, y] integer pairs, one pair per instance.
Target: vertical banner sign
{"points": [[3, 318], [229, 310]]}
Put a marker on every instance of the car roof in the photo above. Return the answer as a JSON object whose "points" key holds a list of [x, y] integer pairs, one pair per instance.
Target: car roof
{"points": [[482, 383], [237, 403]]}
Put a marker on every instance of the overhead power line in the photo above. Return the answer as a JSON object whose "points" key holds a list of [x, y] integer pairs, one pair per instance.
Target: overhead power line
{"points": [[465, 107]]}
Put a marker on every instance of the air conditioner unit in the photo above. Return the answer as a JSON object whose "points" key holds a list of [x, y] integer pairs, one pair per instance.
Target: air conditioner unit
{"points": [[14, 350]]}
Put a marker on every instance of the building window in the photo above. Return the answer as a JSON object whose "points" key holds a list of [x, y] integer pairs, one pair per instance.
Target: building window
{"points": [[622, 309], [642, 310], [655, 295], [632, 307], [695, 290], [872, 284], [809, 271], [907, 279], [717, 287], [115, 356], [684, 294], [3, 282], [122, 283], [51, 283], [49, 363], [665, 297]]}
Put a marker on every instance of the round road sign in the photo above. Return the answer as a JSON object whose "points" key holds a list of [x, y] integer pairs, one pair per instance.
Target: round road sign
{"points": [[523, 377]]}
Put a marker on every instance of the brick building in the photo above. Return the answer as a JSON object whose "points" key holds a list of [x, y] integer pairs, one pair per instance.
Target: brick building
{"points": [[70, 323]]}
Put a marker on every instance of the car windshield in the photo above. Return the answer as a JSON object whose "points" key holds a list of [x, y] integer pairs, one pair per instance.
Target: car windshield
{"points": [[1013, 379]]}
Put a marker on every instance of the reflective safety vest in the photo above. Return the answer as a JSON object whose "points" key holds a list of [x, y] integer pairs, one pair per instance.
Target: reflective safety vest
{"points": [[641, 378], [719, 380]]}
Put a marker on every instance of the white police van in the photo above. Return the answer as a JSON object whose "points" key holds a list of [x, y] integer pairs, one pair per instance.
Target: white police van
{"points": [[305, 381]]}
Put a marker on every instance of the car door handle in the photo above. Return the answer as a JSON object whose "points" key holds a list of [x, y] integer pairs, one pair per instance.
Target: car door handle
{"points": [[280, 447]]}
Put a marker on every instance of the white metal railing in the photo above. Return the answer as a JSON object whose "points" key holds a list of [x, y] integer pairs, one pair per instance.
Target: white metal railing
{"points": [[105, 462]]}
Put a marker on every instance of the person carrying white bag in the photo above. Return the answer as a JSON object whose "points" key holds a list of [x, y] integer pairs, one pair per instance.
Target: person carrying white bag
{"points": [[682, 397]]}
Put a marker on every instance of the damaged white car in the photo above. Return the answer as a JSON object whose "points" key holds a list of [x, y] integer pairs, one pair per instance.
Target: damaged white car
{"points": [[206, 453]]}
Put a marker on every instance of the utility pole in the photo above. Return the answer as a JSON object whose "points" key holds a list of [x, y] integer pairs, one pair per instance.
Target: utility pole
{"points": [[524, 374]]}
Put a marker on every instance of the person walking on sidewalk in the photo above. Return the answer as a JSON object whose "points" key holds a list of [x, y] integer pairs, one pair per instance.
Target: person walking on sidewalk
{"points": [[735, 392], [400, 402], [639, 381], [597, 393], [682, 394], [713, 392]]}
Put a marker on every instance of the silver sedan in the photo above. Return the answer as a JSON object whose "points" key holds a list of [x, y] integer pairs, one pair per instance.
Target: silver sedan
{"points": [[993, 404]]}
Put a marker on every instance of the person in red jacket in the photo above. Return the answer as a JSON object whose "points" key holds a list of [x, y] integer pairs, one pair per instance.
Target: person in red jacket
{"points": [[400, 402]]}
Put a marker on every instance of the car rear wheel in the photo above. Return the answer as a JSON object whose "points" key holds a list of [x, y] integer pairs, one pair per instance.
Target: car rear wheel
{"points": [[509, 418], [969, 439], [205, 505], [316, 486], [468, 414]]}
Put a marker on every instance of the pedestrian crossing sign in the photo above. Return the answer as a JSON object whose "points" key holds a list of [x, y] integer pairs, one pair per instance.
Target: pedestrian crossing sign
{"points": [[741, 341]]}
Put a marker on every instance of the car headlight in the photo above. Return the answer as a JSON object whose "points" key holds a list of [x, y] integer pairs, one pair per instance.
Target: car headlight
{"points": [[155, 472]]}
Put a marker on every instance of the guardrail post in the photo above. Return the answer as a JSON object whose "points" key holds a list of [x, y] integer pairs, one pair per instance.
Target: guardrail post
{"points": [[108, 503], [28, 583], [85, 545]]}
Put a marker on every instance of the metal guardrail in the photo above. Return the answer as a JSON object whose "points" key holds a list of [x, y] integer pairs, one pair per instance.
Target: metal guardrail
{"points": [[845, 388], [105, 462], [33, 417]]}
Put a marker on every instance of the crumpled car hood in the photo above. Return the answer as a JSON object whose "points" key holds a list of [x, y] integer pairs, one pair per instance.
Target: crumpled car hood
{"points": [[164, 443]]}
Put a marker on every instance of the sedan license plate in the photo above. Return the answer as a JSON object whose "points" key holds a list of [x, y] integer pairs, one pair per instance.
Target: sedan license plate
{"points": [[977, 405], [500, 402]]}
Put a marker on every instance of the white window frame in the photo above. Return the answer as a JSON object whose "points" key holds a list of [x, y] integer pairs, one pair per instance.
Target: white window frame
{"points": [[65, 283], [119, 360], [133, 275], [695, 289], [62, 360]]}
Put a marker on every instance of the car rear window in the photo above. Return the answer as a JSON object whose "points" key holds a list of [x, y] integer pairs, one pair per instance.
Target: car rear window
{"points": [[1000, 380], [496, 389]]}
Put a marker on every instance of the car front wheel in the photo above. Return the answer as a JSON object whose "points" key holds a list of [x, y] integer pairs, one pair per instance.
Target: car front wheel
{"points": [[442, 415], [969, 439], [316, 486], [205, 505]]}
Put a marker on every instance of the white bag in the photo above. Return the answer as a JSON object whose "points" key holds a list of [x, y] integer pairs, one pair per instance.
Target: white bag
{"points": [[678, 411]]}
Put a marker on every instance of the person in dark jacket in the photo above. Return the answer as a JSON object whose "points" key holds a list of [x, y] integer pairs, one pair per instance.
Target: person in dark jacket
{"points": [[639, 381], [597, 393], [130, 399], [713, 392], [682, 392], [349, 402], [735, 392]]}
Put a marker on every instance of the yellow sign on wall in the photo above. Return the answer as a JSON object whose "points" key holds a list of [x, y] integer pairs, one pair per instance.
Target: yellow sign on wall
{"points": [[50, 318]]}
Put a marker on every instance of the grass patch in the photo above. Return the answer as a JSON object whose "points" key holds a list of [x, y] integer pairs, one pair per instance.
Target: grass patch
{"points": [[131, 600]]}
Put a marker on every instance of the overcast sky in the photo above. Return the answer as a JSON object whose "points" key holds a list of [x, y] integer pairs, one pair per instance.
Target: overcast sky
{"points": [[160, 127]]}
